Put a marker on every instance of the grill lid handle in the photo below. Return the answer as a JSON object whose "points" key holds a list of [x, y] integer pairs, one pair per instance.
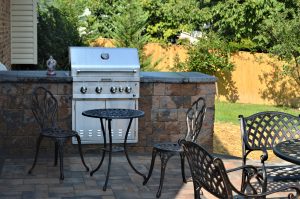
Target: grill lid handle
{"points": [[106, 71]]}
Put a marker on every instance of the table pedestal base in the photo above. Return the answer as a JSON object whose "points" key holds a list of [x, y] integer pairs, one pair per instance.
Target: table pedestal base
{"points": [[110, 149]]}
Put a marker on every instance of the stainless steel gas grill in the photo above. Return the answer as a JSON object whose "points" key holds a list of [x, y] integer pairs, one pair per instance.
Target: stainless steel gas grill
{"points": [[104, 78]]}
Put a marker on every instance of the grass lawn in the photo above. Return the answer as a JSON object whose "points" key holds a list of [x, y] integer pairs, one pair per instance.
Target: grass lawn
{"points": [[227, 136], [229, 112]]}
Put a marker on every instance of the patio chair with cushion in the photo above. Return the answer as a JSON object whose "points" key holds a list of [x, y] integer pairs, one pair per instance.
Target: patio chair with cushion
{"points": [[261, 132], [44, 107], [209, 172], [194, 120]]}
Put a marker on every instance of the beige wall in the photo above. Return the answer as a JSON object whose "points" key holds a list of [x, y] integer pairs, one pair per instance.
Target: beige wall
{"points": [[5, 32]]}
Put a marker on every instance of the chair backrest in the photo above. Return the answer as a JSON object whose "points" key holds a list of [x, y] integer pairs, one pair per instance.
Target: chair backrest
{"points": [[44, 107], [266, 129], [194, 119], [207, 171]]}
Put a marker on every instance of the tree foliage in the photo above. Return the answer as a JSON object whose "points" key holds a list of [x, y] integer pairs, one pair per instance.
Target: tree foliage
{"points": [[128, 25], [210, 55], [57, 30], [128, 29], [168, 18], [99, 22], [240, 20], [282, 33]]}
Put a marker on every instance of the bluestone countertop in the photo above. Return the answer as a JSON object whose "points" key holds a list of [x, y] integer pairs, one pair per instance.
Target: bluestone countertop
{"points": [[64, 76]]}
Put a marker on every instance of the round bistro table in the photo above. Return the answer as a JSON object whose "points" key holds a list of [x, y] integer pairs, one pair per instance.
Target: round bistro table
{"points": [[109, 115], [288, 150]]}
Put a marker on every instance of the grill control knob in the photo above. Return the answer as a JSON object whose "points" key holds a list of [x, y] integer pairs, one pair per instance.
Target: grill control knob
{"points": [[98, 89], [113, 89], [83, 89], [128, 89], [121, 89]]}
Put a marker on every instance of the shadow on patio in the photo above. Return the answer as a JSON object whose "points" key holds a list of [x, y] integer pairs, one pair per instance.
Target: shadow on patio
{"points": [[123, 183]]}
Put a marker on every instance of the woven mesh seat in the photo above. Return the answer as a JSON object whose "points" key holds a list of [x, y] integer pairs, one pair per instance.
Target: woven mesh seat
{"points": [[194, 118], [44, 108], [168, 146], [57, 133]]}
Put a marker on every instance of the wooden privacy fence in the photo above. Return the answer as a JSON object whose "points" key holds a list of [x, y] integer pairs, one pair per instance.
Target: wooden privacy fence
{"points": [[255, 79]]}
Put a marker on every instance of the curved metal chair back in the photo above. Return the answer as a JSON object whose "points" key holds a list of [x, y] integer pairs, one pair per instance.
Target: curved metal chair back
{"points": [[194, 119], [207, 171], [44, 107], [266, 129]]}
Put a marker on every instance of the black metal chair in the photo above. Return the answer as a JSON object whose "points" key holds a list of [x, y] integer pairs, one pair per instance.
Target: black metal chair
{"points": [[261, 132], [44, 107], [208, 172], [194, 120]]}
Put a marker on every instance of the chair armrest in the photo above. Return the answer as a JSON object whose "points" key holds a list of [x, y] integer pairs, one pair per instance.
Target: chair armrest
{"points": [[264, 157], [290, 195], [243, 167], [253, 173]]}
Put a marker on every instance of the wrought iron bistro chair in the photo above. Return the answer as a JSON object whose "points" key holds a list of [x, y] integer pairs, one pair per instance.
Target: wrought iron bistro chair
{"points": [[44, 107], [194, 120], [208, 172], [261, 132]]}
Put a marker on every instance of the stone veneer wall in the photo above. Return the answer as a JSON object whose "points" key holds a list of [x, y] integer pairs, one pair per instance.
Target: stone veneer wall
{"points": [[5, 32], [165, 104]]}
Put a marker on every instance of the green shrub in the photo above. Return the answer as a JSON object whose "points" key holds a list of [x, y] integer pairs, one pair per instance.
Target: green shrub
{"points": [[209, 55], [243, 45], [56, 32]]}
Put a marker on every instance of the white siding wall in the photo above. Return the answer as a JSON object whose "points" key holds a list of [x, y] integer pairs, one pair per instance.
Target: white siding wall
{"points": [[23, 32]]}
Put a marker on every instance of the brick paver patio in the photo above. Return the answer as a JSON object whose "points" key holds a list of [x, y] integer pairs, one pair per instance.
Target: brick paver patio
{"points": [[123, 183]]}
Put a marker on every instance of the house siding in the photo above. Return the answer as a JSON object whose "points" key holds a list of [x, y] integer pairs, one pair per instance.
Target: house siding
{"points": [[5, 53], [23, 32]]}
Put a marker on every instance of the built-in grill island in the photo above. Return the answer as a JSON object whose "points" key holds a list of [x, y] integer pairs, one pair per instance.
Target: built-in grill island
{"points": [[104, 78]]}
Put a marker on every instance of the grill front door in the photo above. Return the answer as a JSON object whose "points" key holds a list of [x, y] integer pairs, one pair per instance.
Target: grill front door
{"points": [[89, 128], [119, 127]]}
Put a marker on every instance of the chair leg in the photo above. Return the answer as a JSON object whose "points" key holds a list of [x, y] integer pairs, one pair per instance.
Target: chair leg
{"points": [[154, 152], [80, 152], [182, 167], [60, 143], [243, 183], [197, 192], [39, 140], [164, 157], [55, 153], [264, 178]]}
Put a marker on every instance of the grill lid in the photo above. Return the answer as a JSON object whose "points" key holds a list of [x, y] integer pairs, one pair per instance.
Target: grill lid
{"points": [[89, 61]]}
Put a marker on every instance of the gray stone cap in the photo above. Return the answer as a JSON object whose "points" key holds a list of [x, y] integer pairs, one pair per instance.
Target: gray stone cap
{"points": [[64, 76], [176, 77], [34, 76]]}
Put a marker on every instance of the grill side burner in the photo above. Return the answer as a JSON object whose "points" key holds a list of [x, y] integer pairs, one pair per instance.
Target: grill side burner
{"points": [[104, 78]]}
